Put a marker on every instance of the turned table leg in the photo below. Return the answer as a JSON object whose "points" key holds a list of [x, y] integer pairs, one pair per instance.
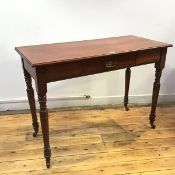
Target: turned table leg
{"points": [[31, 99], [127, 82], [156, 87], [44, 123]]}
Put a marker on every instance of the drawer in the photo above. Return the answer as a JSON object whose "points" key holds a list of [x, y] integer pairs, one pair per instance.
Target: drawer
{"points": [[88, 67], [108, 63], [149, 56]]}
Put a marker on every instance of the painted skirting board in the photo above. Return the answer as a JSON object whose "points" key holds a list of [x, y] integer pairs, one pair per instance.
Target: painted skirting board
{"points": [[78, 101]]}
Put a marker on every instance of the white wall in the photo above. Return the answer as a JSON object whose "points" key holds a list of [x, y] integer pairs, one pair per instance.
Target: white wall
{"points": [[49, 21]]}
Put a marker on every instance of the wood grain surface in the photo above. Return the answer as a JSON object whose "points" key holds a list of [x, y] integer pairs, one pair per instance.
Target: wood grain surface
{"points": [[38, 55]]}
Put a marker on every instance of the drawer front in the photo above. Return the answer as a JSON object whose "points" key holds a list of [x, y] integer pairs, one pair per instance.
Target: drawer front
{"points": [[63, 71], [88, 67], [109, 63], [149, 56]]}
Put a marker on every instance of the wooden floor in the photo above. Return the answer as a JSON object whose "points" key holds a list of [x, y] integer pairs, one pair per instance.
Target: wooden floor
{"points": [[91, 142]]}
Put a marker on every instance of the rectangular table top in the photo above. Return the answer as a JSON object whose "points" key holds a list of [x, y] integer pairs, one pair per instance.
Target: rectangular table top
{"points": [[47, 54]]}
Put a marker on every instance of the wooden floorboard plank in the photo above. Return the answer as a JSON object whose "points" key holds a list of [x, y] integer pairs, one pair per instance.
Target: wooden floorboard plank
{"points": [[98, 168], [86, 124], [158, 172], [33, 151], [54, 172], [91, 159], [91, 122], [85, 139], [86, 116], [90, 130]]}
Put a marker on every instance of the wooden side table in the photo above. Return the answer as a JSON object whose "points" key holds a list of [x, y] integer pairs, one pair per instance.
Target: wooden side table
{"points": [[52, 62]]}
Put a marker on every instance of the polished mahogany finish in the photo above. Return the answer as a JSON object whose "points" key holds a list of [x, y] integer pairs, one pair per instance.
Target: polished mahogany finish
{"points": [[47, 54], [52, 62]]}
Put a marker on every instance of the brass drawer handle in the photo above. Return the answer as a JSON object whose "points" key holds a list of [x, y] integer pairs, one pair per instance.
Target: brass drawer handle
{"points": [[110, 64]]}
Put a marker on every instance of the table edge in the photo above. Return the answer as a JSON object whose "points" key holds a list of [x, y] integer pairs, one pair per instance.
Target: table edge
{"points": [[85, 58]]}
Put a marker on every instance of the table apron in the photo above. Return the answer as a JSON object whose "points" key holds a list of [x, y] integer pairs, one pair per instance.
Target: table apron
{"points": [[95, 65], [99, 65]]}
